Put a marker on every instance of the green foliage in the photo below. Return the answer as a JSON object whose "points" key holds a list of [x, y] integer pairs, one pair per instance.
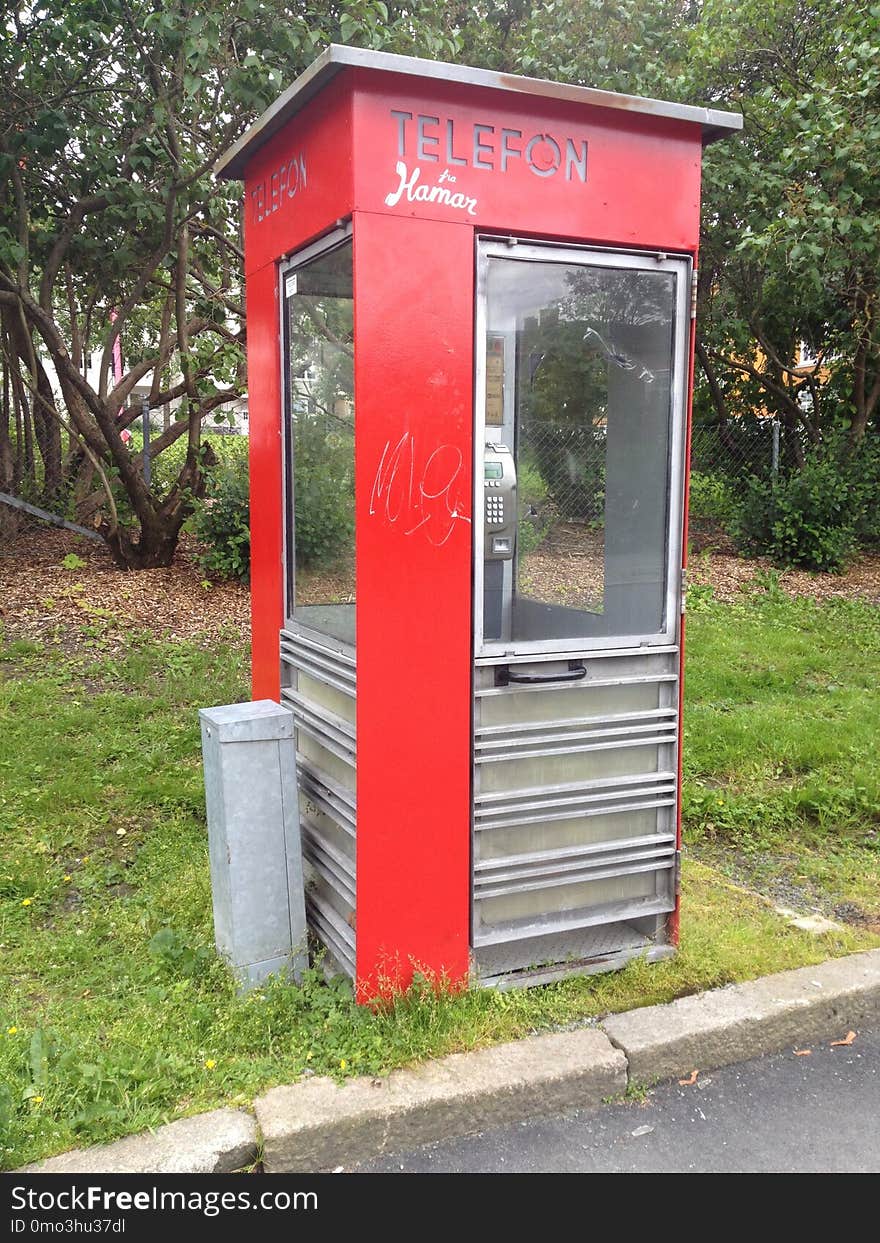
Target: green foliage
{"points": [[112, 116], [816, 517], [175, 954], [534, 518], [712, 499], [572, 461], [221, 522], [530, 483], [73, 562], [222, 450], [529, 536], [790, 251], [863, 466], [323, 493]]}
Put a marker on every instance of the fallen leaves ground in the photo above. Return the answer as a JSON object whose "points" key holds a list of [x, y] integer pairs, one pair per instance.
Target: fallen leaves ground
{"points": [[40, 599], [728, 575]]}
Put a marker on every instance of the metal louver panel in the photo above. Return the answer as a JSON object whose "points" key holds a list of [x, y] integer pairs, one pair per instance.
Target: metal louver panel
{"points": [[590, 798], [325, 727], [321, 695], [609, 913], [574, 855]]}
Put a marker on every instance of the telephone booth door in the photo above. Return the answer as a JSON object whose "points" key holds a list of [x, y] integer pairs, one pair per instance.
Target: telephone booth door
{"points": [[580, 419]]}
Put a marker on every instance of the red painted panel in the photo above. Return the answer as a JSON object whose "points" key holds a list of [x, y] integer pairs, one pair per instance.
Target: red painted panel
{"points": [[300, 182], [413, 400], [505, 163], [264, 421], [528, 165]]}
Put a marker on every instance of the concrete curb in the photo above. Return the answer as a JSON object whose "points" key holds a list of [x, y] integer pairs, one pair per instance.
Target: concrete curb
{"points": [[218, 1142], [317, 1125], [743, 1021]]}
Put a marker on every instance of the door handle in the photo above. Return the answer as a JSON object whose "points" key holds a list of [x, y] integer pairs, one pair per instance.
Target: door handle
{"points": [[504, 677]]}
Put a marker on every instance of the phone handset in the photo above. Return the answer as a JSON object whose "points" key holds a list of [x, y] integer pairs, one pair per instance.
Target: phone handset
{"points": [[499, 509]]}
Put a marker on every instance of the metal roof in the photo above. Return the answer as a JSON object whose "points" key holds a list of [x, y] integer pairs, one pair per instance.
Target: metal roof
{"points": [[715, 124]]}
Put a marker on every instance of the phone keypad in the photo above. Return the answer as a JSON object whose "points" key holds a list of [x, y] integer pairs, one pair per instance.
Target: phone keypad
{"points": [[494, 509]]}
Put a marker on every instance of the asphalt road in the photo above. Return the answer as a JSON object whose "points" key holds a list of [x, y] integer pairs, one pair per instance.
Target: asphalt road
{"points": [[819, 1113]]}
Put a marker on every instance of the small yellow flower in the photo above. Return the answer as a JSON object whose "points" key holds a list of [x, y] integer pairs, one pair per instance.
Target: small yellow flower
{"points": [[27, 901], [85, 858], [10, 1031], [37, 1100], [67, 878], [343, 1063], [210, 1064]]}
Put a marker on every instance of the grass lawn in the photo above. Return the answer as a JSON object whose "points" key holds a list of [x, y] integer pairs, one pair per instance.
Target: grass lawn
{"points": [[116, 1014]]}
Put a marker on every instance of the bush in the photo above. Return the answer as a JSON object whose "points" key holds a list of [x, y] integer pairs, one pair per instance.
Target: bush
{"points": [[712, 499], [535, 514], [810, 518], [221, 522], [323, 494], [324, 502], [572, 462], [167, 466], [864, 466]]}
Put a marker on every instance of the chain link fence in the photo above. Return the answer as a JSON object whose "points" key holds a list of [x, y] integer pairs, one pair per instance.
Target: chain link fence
{"points": [[724, 457], [737, 449], [562, 470]]}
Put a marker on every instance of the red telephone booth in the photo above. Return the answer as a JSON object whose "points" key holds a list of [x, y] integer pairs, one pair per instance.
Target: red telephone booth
{"points": [[470, 343]]}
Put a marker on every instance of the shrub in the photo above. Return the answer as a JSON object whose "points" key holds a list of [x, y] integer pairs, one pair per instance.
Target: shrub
{"points": [[572, 462], [712, 499], [323, 494], [221, 522], [165, 468], [535, 513], [531, 486], [529, 536], [864, 469], [810, 518]]}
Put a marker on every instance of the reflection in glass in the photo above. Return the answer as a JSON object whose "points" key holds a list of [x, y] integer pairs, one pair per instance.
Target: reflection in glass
{"points": [[579, 388], [320, 379]]}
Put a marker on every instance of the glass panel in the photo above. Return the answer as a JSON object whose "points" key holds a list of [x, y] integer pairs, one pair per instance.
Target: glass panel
{"points": [[559, 834], [559, 899], [320, 386], [578, 396]]}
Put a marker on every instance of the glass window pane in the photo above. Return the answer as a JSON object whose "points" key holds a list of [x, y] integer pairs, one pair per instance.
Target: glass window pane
{"points": [[579, 388], [320, 398]]}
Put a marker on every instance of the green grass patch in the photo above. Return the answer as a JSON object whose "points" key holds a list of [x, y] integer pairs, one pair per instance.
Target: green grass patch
{"points": [[782, 726], [116, 1014]]}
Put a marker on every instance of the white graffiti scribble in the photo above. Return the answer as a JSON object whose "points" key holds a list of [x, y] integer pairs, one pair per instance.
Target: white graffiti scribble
{"points": [[428, 500]]}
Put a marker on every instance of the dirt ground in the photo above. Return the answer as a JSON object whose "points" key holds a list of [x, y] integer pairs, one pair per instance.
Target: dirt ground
{"points": [[567, 569], [714, 562], [39, 597]]}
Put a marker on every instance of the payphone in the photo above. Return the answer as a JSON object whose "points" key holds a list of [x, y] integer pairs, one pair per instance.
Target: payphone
{"points": [[499, 533], [468, 478], [499, 513]]}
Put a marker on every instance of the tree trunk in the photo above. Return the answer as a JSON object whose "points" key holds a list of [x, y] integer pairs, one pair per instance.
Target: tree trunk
{"points": [[155, 546], [8, 516], [47, 430], [712, 380]]}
